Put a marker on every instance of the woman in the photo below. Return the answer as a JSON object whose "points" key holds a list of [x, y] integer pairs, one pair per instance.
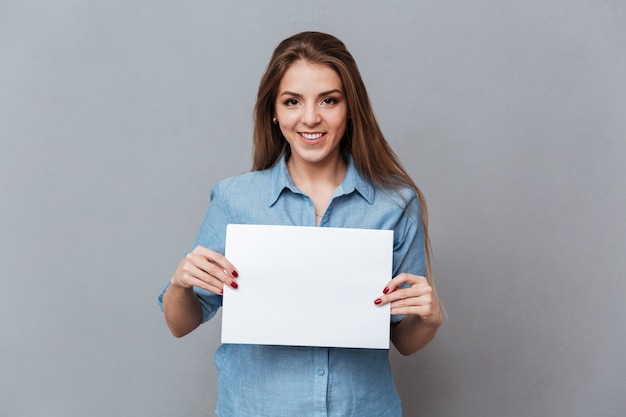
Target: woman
{"points": [[319, 159]]}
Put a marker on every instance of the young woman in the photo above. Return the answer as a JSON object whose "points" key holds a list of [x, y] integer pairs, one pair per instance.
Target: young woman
{"points": [[320, 159]]}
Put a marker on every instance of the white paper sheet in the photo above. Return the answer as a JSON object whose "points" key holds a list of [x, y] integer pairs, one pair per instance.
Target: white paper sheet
{"points": [[307, 286]]}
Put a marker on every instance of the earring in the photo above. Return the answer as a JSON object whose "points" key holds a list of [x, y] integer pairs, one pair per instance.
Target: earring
{"points": [[274, 120]]}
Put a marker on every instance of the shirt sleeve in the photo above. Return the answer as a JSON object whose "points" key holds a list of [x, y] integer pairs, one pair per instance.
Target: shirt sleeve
{"points": [[212, 235], [409, 253]]}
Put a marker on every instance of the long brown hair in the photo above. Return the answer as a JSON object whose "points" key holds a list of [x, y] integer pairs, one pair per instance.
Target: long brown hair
{"points": [[363, 140]]}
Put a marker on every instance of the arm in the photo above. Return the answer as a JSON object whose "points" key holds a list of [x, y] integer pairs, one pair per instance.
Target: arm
{"points": [[422, 307], [181, 309], [201, 268], [413, 333]]}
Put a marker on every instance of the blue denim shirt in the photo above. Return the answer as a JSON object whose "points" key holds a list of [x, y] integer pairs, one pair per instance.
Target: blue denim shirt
{"points": [[275, 381]]}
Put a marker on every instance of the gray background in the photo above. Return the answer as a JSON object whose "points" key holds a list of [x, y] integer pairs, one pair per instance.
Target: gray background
{"points": [[117, 117]]}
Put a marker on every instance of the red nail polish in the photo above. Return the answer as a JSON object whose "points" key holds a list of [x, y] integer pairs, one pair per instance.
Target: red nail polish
{"points": [[386, 290], [378, 301], [235, 274], [234, 285]]}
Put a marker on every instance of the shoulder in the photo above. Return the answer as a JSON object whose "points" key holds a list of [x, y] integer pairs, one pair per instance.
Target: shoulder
{"points": [[249, 186], [242, 182], [401, 197], [401, 207]]}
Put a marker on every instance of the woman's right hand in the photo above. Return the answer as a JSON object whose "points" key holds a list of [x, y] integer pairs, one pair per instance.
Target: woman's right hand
{"points": [[206, 269]]}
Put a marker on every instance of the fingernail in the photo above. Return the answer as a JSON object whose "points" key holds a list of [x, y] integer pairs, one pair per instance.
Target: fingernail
{"points": [[235, 274], [222, 292], [378, 301], [386, 290], [234, 285]]}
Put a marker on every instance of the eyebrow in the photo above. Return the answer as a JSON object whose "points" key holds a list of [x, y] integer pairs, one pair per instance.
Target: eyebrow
{"points": [[325, 93]]}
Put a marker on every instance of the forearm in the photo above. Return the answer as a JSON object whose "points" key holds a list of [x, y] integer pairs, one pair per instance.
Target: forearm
{"points": [[413, 333], [182, 310]]}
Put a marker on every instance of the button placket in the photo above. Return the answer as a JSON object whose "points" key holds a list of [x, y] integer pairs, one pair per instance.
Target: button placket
{"points": [[320, 384]]}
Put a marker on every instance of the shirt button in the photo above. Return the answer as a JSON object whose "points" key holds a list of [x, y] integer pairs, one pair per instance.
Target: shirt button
{"points": [[320, 372]]}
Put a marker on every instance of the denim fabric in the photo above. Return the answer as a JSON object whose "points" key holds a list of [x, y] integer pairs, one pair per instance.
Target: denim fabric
{"points": [[275, 381]]}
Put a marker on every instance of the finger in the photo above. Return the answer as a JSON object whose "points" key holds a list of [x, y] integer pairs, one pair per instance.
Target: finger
{"points": [[419, 301], [215, 289], [402, 279], [426, 311], [194, 276], [426, 307], [207, 261], [418, 294], [217, 259], [216, 272], [422, 311], [418, 291]]}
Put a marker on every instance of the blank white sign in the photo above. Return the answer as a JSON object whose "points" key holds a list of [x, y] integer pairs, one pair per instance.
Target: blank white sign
{"points": [[307, 286]]}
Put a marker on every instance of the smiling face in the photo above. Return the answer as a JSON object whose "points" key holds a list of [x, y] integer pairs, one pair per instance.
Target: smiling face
{"points": [[312, 113]]}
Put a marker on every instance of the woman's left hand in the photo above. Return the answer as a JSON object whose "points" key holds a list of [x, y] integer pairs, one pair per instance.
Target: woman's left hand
{"points": [[417, 299]]}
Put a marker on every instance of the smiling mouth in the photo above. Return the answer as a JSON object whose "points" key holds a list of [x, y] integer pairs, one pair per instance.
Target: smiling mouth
{"points": [[311, 136]]}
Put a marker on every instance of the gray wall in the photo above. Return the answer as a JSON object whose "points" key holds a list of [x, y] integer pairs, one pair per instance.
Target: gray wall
{"points": [[116, 118]]}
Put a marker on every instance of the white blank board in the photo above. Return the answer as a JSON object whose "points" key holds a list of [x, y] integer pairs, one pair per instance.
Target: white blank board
{"points": [[307, 286]]}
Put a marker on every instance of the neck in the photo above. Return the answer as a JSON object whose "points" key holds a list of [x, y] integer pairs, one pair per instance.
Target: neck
{"points": [[323, 174]]}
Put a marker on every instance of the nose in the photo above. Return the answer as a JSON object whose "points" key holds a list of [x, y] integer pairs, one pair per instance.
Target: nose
{"points": [[311, 115]]}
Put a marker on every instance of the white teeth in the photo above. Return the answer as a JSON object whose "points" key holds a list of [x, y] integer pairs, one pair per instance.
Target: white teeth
{"points": [[311, 135]]}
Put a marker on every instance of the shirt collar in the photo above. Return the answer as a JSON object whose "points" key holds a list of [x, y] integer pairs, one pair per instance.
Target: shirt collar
{"points": [[353, 181]]}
